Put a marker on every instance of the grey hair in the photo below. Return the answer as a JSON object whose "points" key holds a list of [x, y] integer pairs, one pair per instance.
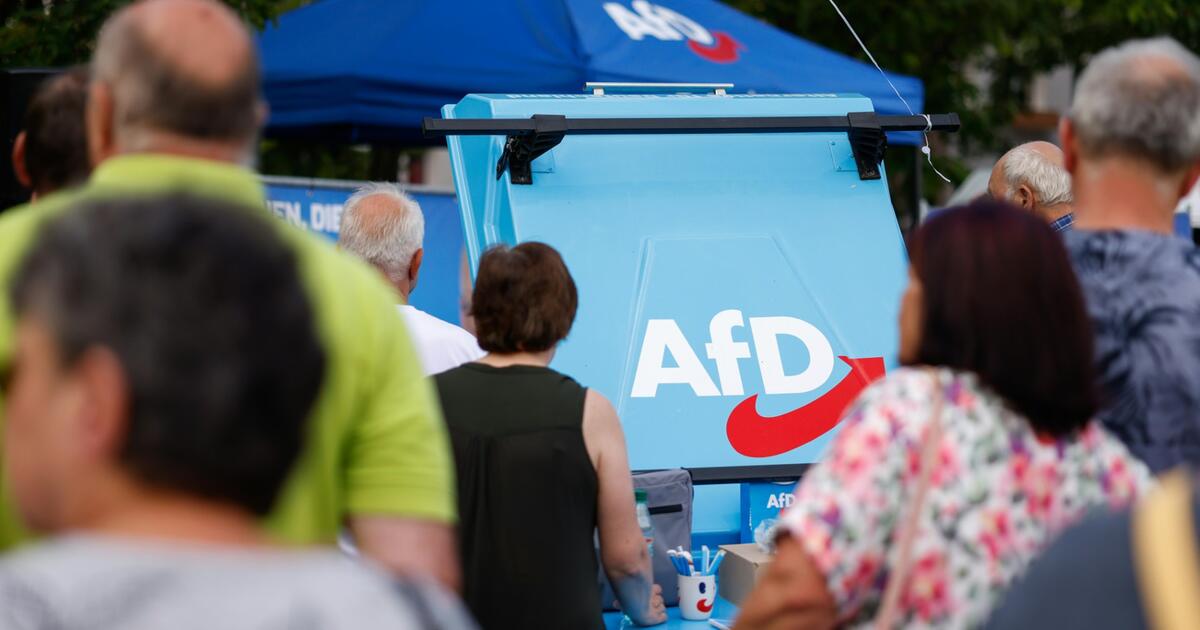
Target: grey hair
{"points": [[1127, 103], [150, 93], [387, 240], [1051, 182]]}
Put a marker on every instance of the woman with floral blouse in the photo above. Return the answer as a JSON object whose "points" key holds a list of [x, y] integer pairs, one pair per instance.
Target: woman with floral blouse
{"points": [[993, 333]]}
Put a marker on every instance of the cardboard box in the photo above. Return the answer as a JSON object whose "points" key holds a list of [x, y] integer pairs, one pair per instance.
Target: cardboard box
{"points": [[740, 570]]}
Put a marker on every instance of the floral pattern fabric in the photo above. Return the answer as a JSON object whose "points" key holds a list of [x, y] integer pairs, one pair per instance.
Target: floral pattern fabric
{"points": [[997, 495]]}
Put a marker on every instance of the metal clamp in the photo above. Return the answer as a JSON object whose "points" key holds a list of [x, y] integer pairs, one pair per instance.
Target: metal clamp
{"points": [[868, 142], [520, 150]]}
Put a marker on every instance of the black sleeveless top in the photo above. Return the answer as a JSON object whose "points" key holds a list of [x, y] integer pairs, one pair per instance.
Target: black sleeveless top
{"points": [[526, 496]]}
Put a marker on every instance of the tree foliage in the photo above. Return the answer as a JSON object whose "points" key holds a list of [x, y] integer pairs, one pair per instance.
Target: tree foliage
{"points": [[34, 33], [949, 44]]}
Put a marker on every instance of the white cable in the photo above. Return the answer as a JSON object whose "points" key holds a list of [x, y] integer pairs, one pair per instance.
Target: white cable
{"points": [[928, 122]]}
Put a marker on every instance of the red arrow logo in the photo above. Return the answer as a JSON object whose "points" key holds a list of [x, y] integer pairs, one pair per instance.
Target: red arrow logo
{"points": [[724, 51], [753, 435]]}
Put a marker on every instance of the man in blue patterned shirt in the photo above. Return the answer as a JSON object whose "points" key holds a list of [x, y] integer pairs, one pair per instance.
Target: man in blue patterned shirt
{"points": [[1032, 176], [1131, 142]]}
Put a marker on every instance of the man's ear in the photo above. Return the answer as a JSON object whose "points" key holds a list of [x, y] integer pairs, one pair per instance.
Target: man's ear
{"points": [[1024, 197], [1189, 180], [261, 112], [18, 162], [101, 134], [414, 268], [1066, 138], [105, 420]]}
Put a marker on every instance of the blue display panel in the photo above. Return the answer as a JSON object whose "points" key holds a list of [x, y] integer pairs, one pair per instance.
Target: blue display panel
{"points": [[736, 290]]}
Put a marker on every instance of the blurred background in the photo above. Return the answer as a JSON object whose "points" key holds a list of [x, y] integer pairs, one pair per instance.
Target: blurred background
{"points": [[1006, 67]]}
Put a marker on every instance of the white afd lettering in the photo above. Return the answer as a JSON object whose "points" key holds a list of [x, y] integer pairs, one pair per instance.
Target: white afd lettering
{"points": [[781, 500], [681, 23], [638, 25], [658, 22], [726, 352], [663, 335], [766, 331]]}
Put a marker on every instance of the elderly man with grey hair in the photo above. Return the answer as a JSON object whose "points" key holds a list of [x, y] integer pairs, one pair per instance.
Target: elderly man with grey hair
{"points": [[386, 228], [1132, 145], [1131, 142], [1032, 176]]}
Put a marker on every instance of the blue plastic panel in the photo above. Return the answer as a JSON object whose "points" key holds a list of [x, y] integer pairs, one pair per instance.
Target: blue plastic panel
{"points": [[712, 268]]}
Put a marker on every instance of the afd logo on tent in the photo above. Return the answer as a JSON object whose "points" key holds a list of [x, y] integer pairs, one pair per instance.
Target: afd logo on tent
{"points": [[643, 18]]}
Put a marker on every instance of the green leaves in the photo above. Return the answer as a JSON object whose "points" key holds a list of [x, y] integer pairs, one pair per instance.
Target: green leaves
{"points": [[979, 57], [63, 33]]}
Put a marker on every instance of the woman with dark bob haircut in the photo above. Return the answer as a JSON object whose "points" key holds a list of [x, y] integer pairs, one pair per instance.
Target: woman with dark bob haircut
{"points": [[952, 472], [541, 462]]}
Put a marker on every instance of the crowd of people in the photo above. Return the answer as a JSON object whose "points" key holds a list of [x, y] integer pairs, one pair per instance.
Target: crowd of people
{"points": [[199, 400]]}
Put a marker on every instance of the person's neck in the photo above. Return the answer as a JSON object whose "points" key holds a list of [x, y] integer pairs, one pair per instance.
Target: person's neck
{"points": [[162, 142], [403, 290], [537, 359], [1055, 212], [174, 517], [1123, 195]]}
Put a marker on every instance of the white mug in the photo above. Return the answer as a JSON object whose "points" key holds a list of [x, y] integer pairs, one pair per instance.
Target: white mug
{"points": [[697, 596]]}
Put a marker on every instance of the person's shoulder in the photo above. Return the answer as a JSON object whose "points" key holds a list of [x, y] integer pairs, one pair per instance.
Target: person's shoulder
{"points": [[1084, 579], [439, 329], [18, 225], [41, 575], [904, 384], [47, 556], [356, 594]]}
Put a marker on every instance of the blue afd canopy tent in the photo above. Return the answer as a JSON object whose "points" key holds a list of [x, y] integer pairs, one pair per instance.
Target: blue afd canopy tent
{"points": [[372, 69]]}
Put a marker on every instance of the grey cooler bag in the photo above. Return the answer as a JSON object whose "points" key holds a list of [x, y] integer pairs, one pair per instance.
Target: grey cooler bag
{"points": [[669, 497]]}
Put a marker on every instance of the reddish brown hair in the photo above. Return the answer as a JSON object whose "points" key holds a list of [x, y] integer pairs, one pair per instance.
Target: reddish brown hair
{"points": [[524, 299], [1001, 300]]}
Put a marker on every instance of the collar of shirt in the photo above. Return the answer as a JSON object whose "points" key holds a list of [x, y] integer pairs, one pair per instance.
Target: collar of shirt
{"points": [[1062, 223], [152, 173]]}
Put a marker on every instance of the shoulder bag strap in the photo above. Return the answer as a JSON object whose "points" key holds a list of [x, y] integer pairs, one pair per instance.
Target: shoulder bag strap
{"points": [[930, 443], [1165, 555]]}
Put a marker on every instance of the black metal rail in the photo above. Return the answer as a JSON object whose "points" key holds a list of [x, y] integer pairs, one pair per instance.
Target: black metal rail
{"points": [[527, 138]]}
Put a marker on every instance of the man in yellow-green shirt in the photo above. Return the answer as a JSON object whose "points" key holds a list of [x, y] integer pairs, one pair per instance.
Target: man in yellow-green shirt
{"points": [[174, 106]]}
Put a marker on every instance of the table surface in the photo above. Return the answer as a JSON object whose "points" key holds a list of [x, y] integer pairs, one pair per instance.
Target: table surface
{"points": [[723, 612]]}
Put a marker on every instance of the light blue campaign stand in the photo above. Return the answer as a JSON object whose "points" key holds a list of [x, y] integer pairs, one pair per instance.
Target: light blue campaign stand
{"points": [[711, 268]]}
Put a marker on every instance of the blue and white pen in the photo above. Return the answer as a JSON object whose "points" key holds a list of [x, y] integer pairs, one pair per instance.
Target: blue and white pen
{"points": [[716, 563], [704, 550]]}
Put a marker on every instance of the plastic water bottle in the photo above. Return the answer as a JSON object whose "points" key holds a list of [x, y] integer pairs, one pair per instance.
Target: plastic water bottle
{"points": [[643, 519]]}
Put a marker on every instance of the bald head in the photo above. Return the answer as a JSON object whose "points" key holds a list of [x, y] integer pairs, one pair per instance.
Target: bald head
{"points": [[1032, 176], [202, 40], [181, 70], [385, 227]]}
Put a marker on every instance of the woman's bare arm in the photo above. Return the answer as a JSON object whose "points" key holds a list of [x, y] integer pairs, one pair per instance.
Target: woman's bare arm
{"points": [[622, 547]]}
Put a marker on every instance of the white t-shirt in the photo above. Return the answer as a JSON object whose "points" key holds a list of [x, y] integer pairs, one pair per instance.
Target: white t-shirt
{"points": [[441, 345]]}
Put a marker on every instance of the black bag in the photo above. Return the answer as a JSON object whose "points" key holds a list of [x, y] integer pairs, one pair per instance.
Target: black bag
{"points": [[669, 496]]}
